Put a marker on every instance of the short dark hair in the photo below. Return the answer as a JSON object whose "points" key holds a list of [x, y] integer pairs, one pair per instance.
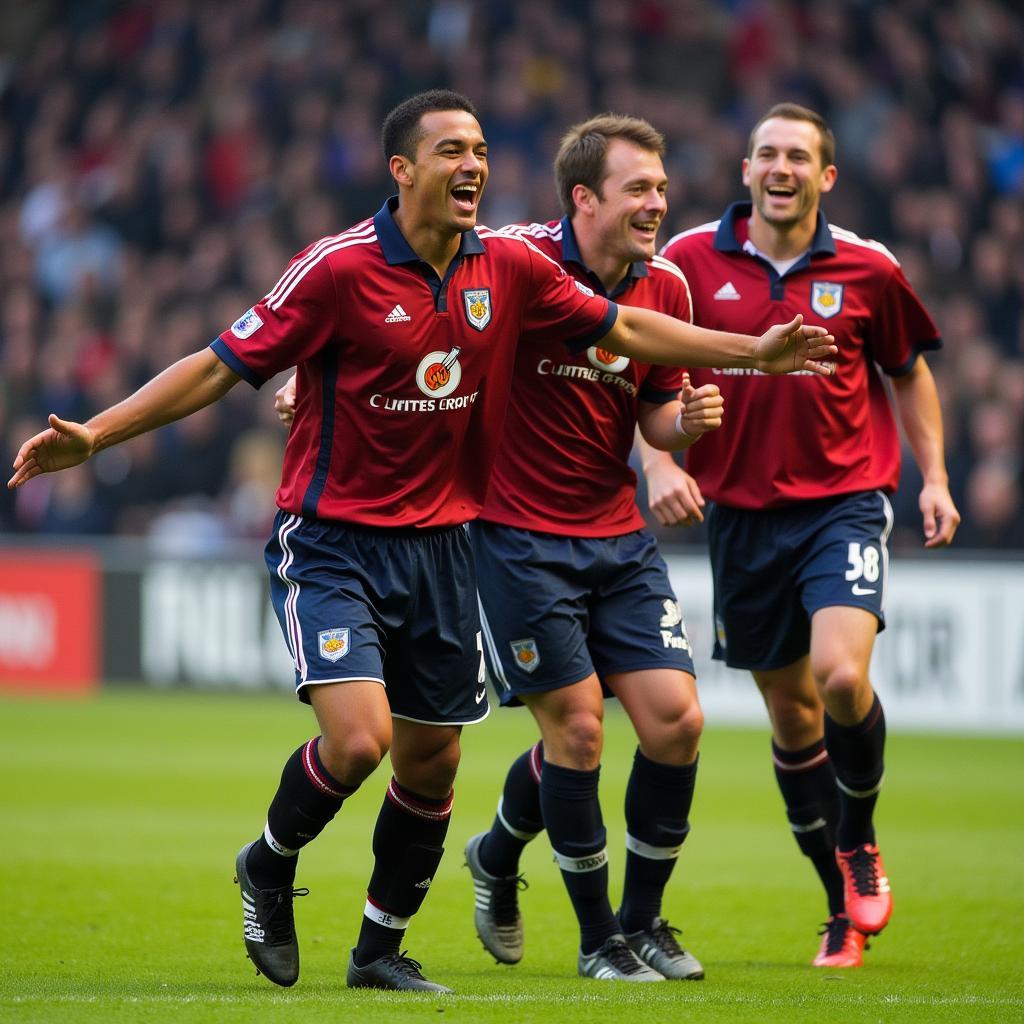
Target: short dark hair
{"points": [[401, 132], [581, 156], [794, 112]]}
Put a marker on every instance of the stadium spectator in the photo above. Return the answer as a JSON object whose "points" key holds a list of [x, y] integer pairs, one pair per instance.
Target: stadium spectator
{"points": [[798, 534]]}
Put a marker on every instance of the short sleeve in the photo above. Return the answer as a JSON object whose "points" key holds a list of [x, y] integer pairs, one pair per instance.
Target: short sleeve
{"points": [[287, 327], [900, 326]]}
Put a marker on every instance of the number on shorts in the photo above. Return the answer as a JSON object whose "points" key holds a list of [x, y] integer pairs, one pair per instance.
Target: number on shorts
{"points": [[863, 564]]}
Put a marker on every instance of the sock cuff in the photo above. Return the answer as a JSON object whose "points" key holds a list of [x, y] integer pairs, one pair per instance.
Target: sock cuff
{"points": [[319, 776], [579, 864], [570, 783], [383, 917], [874, 718], [278, 848], [642, 849], [521, 834], [656, 773], [803, 760], [536, 760], [420, 806]]}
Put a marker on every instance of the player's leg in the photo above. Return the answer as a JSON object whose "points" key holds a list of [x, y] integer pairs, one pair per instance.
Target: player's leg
{"points": [[666, 714], [338, 671], [843, 591], [570, 719], [763, 626], [842, 639], [493, 858], [807, 782], [435, 684], [408, 843]]}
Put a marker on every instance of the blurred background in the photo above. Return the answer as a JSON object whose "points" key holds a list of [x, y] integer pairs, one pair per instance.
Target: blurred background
{"points": [[161, 161]]}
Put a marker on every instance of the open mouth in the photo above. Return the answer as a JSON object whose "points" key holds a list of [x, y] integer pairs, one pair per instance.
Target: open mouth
{"points": [[466, 195], [781, 191], [645, 227]]}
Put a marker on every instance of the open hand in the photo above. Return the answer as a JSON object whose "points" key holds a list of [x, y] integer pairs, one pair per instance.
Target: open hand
{"points": [[788, 348], [64, 444]]}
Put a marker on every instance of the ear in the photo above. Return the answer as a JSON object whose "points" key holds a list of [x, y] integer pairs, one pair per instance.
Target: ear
{"points": [[583, 198], [746, 172], [401, 170], [828, 177]]}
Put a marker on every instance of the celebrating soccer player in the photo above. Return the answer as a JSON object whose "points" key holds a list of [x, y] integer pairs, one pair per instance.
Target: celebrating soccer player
{"points": [[799, 479]]}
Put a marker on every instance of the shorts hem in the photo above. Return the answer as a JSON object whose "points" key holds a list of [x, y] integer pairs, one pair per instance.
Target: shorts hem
{"points": [[425, 721]]}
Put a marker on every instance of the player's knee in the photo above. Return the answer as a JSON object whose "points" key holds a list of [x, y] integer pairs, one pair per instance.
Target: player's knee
{"points": [[354, 757], [843, 684], [794, 720], [580, 739]]}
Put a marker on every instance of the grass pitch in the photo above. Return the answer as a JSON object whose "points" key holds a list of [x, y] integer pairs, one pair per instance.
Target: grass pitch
{"points": [[121, 817]]}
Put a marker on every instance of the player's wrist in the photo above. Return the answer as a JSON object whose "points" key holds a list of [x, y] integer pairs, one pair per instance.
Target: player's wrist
{"points": [[681, 426]]}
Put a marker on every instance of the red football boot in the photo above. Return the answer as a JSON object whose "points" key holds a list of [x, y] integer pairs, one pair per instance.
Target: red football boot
{"points": [[841, 944], [865, 888]]}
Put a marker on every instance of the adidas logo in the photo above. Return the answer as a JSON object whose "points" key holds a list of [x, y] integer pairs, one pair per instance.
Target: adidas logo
{"points": [[425, 884], [727, 292], [399, 315]]}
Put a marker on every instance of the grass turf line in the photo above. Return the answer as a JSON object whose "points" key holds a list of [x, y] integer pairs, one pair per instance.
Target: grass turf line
{"points": [[121, 816]]}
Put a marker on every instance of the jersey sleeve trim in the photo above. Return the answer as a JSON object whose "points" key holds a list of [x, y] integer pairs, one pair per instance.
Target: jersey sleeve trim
{"points": [[594, 336], [931, 345], [656, 396], [224, 353]]}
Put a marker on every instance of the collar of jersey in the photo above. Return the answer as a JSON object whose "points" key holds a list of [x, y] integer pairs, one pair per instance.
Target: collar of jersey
{"points": [[571, 253], [726, 241], [397, 250]]}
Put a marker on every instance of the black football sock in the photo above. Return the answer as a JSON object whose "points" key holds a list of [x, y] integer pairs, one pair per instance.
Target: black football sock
{"points": [[808, 784], [408, 842], [572, 816], [658, 799], [307, 798], [857, 751], [518, 819]]}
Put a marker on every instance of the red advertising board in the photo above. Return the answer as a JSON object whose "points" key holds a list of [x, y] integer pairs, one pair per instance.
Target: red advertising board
{"points": [[50, 621]]}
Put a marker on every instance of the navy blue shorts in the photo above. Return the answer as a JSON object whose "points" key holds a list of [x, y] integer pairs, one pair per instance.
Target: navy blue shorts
{"points": [[555, 609], [397, 607], [773, 569]]}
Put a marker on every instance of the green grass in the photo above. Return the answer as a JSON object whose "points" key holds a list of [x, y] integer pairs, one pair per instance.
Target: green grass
{"points": [[120, 818]]}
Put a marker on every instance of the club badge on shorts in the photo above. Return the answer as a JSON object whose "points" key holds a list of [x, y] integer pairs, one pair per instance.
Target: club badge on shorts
{"points": [[477, 302], [333, 643], [526, 654], [826, 298]]}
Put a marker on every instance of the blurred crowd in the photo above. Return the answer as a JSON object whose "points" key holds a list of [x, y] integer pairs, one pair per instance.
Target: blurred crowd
{"points": [[161, 160]]}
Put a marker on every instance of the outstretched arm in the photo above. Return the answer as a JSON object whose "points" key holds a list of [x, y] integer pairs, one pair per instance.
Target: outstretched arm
{"points": [[657, 338], [183, 388], [917, 402]]}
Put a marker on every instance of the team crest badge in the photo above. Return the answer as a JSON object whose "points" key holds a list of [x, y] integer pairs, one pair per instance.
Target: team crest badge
{"points": [[826, 298], [478, 307], [334, 643], [526, 654]]}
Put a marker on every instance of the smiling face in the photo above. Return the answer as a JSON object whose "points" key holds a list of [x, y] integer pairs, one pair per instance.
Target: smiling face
{"points": [[441, 189], [785, 175], [622, 220]]}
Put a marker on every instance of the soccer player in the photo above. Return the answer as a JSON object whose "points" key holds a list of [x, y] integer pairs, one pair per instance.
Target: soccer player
{"points": [[404, 330], [798, 530], [573, 592]]}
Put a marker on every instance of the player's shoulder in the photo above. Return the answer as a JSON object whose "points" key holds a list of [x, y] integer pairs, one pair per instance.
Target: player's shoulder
{"points": [[523, 242], [700, 236], [865, 250]]}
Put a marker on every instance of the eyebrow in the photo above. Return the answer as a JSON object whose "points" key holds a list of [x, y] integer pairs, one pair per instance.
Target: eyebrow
{"points": [[441, 143]]}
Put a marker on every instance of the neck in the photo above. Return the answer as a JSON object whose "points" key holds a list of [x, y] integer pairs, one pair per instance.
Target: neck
{"points": [[782, 241], [433, 245], [610, 270]]}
